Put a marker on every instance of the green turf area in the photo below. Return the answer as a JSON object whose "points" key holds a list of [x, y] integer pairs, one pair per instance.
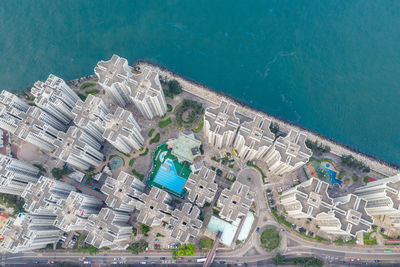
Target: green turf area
{"points": [[182, 169]]}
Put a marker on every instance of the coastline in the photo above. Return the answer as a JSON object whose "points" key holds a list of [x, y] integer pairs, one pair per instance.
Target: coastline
{"points": [[193, 87]]}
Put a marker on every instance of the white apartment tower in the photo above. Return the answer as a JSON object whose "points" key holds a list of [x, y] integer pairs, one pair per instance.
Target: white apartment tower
{"points": [[78, 148], [73, 212], [288, 153], [254, 138], [307, 200], [42, 197], [142, 88], [123, 193], [28, 232], [108, 228], [383, 198], [90, 116], [221, 125], [10, 100], [55, 97], [15, 175], [122, 131]]}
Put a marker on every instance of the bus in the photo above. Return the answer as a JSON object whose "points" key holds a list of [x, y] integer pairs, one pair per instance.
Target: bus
{"points": [[201, 260], [388, 251]]}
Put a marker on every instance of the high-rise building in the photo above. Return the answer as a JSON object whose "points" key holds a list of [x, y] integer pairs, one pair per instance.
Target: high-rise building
{"points": [[55, 97], [235, 202], [157, 206], [221, 125], [288, 153], [73, 212], [123, 193], [254, 138], [42, 197], [347, 217], [185, 223], [122, 131], [15, 175], [112, 76], [78, 148], [147, 94], [201, 187], [90, 116], [28, 232], [108, 228], [13, 101], [142, 88], [383, 198], [307, 199]]}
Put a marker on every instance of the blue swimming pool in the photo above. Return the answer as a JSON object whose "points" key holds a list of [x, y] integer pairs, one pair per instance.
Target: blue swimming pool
{"points": [[169, 178], [332, 175]]}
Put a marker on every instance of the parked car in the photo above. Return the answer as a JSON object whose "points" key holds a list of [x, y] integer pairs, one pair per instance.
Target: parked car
{"points": [[302, 230], [294, 226]]}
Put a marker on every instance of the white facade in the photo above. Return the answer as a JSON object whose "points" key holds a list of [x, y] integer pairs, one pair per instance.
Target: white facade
{"points": [[122, 131], [55, 97], [28, 232], [15, 175], [142, 88]]}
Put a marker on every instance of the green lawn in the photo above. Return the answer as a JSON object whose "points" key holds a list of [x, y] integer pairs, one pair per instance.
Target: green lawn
{"points": [[86, 85], [93, 91], [155, 139], [138, 174], [164, 123], [270, 239], [151, 132]]}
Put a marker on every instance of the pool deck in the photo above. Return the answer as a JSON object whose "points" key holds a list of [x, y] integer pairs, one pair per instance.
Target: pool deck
{"points": [[182, 170]]}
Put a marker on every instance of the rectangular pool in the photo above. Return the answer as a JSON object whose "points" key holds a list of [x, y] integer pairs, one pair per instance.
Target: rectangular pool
{"points": [[169, 178]]}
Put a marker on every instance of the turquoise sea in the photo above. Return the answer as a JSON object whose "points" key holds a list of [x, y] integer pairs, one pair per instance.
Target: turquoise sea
{"points": [[330, 66]]}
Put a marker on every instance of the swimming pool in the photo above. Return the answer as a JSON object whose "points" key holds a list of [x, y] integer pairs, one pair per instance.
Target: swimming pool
{"points": [[332, 175], [169, 178]]}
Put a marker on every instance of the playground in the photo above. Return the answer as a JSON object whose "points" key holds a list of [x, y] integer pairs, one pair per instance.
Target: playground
{"points": [[167, 173]]}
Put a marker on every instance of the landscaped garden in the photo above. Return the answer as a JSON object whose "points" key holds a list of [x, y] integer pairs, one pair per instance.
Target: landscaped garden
{"points": [[188, 114], [270, 239]]}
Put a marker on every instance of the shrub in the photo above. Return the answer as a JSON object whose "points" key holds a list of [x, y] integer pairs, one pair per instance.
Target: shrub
{"points": [[164, 123], [144, 153], [40, 167], [93, 91], [160, 235], [199, 126], [151, 132], [138, 174], [184, 250], [316, 148], [134, 231], [155, 139], [86, 85], [145, 229], [169, 108], [131, 162]]}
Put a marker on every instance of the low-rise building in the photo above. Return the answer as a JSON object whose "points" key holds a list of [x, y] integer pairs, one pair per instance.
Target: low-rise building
{"points": [[307, 199], [108, 228], [78, 148], [157, 206], [15, 175], [185, 222], [185, 147], [288, 153], [235, 202], [201, 187], [123, 193], [122, 131], [220, 125]]}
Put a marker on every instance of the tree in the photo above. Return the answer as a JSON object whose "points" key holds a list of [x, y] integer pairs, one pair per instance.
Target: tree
{"points": [[274, 127], [174, 87], [145, 229], [138, 247], [278, 259], [58, 173], [184, 250], [206, 243]]}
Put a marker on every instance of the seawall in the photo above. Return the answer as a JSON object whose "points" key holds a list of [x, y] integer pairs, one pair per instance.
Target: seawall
{"points": [[206, 93]]}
